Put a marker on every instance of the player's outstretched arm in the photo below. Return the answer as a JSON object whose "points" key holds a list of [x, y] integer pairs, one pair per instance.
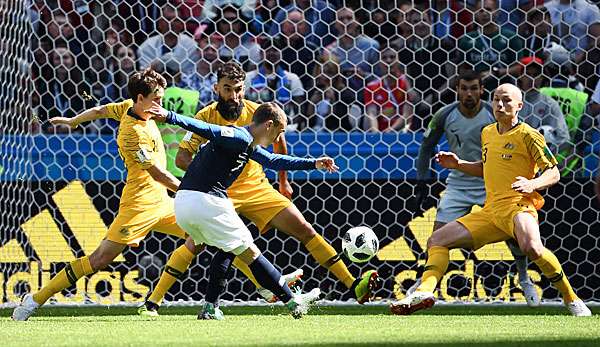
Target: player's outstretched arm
{"points": [[286, 162], [86, 116], [450, 160], [206, 130], [547, 179]]}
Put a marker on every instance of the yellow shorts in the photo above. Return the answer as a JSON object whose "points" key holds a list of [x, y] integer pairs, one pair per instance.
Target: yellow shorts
{"points": [[495, 222], [258, 201], [132, 225]]}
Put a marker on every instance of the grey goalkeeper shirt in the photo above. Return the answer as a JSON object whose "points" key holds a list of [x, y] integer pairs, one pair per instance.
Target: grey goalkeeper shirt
{"points": [[464, 137]]}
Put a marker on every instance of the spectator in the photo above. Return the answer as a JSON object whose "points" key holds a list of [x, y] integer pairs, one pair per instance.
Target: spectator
{"points": [[318, 14], [272, 82], [427, 61], [298, 53], [236, 44], [171, 39], [211, 7], [381, 25], [60, 31], [490, 49], [387, 99], [539, 110], [576, 23], [573, 105], [537, 32], [204, 77], [352, 50], [62, 89], [266, 11], [333, 102]]}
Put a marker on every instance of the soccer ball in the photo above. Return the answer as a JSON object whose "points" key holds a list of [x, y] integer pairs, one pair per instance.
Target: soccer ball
{"points": [[360, 244]]}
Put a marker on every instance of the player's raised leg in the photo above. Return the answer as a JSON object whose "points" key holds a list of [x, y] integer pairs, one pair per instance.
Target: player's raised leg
{"points": [[293, 223], [451, 235], [527, 233], [68, 276]]}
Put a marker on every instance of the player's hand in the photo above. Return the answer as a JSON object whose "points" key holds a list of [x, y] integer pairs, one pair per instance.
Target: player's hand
{"points": [[523, 185], [285, 188], [58, 121], [157, 112], [421, 193], [326, 163], [447, 160]]}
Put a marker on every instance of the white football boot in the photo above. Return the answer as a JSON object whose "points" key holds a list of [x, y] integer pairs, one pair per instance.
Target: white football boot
{"points": [[26, 308], [301, 303], [578, 309], [290, 279]]}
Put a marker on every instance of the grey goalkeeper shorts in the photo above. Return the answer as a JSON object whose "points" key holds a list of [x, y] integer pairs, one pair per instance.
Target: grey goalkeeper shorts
{"points": [[457, 202]]}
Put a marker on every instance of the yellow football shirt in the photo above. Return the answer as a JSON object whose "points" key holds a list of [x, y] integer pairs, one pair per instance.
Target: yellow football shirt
{"points": [[141, 146], [522, 151], [253, 172]]}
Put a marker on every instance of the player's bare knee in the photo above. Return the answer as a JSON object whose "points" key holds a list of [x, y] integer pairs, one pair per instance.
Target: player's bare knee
{"points": [[434, 240], [533, 250], [306, 232], [99, 260]]}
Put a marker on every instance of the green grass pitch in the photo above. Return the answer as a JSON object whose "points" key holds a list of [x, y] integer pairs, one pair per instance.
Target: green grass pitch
{"points": [[445, 325]]}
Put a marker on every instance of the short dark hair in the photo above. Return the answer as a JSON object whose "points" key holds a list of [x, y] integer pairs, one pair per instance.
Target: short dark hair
{"points": [[231, 70], [267, 111], [144, 82], [469, 75]]}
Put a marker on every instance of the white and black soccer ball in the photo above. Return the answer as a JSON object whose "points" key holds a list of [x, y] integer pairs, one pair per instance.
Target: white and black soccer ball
{"points": [[360, 244]]}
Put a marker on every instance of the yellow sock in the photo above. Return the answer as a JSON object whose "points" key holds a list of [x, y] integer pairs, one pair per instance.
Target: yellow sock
{"points": [[551, 268], [179, 261], [64, 279], [243, 267], [325, 255], [437, 264]]}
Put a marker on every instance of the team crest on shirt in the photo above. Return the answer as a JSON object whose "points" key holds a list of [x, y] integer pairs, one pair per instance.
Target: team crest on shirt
{"points": [[143, 155], [509, 146], [226, 132]]}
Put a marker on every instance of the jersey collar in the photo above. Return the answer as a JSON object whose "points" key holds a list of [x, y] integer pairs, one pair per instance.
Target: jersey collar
{"points": [[134, 115]]}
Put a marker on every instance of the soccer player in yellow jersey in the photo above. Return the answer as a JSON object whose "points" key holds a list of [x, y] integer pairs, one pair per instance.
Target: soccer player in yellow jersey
{"points": [[145, 204], [515, 163], [254, 198]]}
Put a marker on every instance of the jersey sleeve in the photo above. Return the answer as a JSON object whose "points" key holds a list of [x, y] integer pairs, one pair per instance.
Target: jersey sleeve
{"points": [[281, 161], [137, 147], [538, 150], [191, 141], [227, 136], [116, 110], [431, 137]]}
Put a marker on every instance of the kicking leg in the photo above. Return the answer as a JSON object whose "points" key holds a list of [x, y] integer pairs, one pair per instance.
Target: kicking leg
{"points": [[293, 223], [270, 278], [68, 276]]}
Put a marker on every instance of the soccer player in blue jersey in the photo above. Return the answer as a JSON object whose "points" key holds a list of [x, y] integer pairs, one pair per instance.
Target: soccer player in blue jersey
{"points": [[202, 208]]}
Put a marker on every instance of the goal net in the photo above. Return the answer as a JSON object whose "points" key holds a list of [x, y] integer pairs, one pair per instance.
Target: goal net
{"points": [[324, 62]]}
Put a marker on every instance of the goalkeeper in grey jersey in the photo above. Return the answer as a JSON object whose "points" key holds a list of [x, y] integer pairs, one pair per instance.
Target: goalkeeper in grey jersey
{"points": [[462, 122]]}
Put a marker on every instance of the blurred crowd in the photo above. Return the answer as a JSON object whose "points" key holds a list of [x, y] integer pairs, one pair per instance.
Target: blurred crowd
{"points": [[335, 65]]}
